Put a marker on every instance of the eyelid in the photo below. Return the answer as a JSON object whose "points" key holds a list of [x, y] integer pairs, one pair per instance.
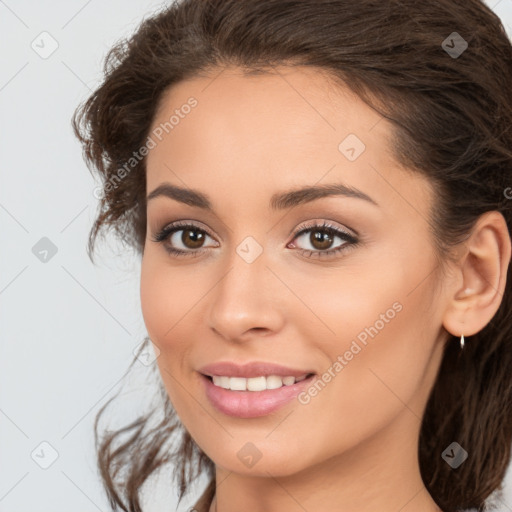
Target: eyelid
{"points": [[350, 240], [184, 224], [326, 224], [317, 223]]}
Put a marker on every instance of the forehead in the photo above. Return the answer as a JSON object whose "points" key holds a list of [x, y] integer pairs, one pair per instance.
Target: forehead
{"points": [[290, 111], [289, 127]]}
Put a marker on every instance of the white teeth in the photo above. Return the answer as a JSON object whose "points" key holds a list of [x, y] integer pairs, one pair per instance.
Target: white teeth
{"points": [[222, 382], [255, 383], [237, 383], [274, 382], [288, 381]]}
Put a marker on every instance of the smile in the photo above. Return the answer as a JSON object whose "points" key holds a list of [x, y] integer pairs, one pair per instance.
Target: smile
{"points": [[252, 397], [255, 383]]}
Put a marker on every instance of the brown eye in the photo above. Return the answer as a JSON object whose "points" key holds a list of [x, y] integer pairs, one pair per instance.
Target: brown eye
{"points": [[321, 239], [182, 239], [192, 238]]}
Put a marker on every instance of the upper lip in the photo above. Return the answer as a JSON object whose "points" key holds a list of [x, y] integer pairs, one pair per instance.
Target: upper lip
{"points": [[252, 369]]}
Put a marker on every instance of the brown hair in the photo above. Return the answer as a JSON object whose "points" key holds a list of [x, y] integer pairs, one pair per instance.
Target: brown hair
{"points": [[452, 119]]}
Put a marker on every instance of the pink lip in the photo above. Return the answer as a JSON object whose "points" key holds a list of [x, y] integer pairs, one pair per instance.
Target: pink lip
{"points": [[251, 404], [253, 369]]}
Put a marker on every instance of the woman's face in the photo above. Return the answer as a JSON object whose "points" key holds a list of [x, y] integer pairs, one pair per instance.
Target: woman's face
{"points": [[362, 311]]}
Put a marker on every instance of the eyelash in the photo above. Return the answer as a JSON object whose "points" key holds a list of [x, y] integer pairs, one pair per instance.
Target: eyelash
{"points": [[165, 233]]}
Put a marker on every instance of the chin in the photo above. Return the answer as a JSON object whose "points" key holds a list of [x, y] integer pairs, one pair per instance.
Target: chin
{"points": [[253, 461]]}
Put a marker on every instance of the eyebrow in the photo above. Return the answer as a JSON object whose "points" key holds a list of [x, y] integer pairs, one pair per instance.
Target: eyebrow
{"points": [[279, 201]]}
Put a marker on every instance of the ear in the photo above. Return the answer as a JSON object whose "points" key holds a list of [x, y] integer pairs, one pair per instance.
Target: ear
{"points": [[477, 289]]}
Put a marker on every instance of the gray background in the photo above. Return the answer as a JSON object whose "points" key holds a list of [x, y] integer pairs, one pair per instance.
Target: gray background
{"points": [[68, 328]]}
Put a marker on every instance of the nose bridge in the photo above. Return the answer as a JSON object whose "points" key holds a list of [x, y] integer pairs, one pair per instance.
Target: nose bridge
{"points": [[247, 296]]}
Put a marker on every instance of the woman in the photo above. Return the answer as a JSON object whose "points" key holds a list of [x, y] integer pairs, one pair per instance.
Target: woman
{"points": [[320, 195]]}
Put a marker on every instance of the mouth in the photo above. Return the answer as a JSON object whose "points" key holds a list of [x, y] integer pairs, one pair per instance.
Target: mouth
{"points": [[255, 396], [255, 384]]}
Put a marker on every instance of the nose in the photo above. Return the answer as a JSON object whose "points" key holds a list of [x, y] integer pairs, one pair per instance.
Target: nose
{"points": [[247, 301]]}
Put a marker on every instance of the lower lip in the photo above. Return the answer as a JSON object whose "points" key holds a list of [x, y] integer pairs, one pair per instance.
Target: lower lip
{"points": [[251, 404]]}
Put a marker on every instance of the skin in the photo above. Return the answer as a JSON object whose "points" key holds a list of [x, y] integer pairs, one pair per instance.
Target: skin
{"points": [[353, 447]]}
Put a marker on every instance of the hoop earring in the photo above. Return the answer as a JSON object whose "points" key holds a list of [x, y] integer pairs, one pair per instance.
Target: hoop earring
{"points": [[462, 341]]}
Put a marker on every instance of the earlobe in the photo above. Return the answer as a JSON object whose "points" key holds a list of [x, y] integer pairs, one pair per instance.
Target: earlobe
{"points": [[483, 272]]}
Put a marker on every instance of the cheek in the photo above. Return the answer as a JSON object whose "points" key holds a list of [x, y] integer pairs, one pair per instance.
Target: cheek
{"points": [[166, 297], [167, 305], [165, 302], [156, 305], [380, 336]]}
